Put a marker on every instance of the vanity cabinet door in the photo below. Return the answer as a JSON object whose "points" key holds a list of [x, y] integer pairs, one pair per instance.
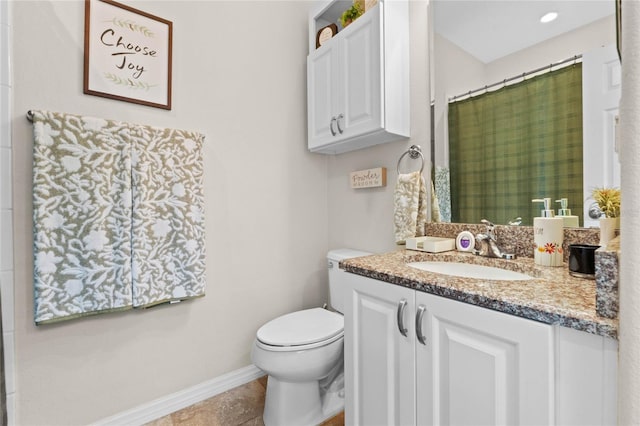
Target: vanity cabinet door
{"points": [[586, 378], [482, 367], [379, 359]]}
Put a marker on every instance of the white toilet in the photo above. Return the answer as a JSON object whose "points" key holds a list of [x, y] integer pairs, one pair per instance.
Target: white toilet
{"points": [[302, 352]]}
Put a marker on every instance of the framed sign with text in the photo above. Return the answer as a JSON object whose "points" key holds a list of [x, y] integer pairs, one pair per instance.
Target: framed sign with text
{"points": [[127, 54]]}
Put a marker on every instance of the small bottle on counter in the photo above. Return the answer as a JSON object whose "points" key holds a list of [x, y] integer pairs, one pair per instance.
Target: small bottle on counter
{"points": [[548, 235], [570, 221]]}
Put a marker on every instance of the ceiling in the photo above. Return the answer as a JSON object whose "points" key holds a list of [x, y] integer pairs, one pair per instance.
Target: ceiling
{"points": [[490, 30]]}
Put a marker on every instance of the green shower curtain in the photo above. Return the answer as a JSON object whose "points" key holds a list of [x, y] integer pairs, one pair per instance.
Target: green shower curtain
{"points": [[515, 144]]}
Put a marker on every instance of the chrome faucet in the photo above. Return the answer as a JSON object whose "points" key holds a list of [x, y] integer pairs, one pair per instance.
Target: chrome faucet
{"points": [[489, 243]]}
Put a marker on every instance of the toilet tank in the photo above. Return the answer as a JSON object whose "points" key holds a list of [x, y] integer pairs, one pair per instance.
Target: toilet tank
{"points": [[337, 292]]}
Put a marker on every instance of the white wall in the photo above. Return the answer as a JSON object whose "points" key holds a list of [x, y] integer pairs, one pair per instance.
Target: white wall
{"points": [[239, 77], [6, 207], [629, 336], [584, 39]]}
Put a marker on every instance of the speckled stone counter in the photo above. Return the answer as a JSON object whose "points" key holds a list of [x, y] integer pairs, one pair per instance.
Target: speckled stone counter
{"points": [[607, 278], [552, 297]]}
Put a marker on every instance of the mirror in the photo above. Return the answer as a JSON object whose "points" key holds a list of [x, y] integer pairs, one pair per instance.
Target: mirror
{"points": [[479, 43]]}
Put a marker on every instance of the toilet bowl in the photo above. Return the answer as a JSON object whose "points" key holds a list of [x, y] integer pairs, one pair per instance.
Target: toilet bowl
{"points": [[295, 368], [302, 352]]}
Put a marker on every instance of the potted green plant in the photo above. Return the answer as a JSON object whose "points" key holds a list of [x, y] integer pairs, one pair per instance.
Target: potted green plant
{"points": [[608, 201], [351, 14]]}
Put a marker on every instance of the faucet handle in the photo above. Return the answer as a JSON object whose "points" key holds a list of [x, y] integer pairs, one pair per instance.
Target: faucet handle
{"points": [[486, 222], [515, 221], [490, 227]]}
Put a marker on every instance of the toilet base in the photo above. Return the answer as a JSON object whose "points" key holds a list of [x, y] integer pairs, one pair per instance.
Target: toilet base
{"points": [[299, 404]]}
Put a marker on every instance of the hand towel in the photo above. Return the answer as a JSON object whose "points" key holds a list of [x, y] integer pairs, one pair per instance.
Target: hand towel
{"points": [[435, 205], [443, 192], [118, 216], [81, 216], [168, 215], [410, 206]]}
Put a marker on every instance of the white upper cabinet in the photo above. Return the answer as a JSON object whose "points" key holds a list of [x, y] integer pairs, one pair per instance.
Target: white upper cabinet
{"points": [[358, 81]]}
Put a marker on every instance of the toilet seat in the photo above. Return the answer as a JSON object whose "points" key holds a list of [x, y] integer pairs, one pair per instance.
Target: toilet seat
{"points": [[301, 330]]}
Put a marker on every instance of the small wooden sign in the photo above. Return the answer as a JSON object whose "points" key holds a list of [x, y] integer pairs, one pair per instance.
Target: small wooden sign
{"points": [[370, 178], [325, 34]]}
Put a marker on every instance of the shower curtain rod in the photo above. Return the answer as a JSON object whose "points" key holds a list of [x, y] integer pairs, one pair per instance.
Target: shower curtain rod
{"points": [[507, 80]]}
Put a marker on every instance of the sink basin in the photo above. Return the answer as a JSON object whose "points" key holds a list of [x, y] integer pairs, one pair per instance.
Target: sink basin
{"points": [[469, 270]]}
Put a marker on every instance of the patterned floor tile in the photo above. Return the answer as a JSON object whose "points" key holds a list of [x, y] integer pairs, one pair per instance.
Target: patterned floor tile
{"points": [[241, 406]]}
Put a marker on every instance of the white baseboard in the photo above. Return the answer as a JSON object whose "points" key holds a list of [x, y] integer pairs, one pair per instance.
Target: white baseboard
{"points": [[168, 404]]}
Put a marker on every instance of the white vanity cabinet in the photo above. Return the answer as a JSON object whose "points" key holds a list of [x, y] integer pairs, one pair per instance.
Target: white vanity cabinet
{"points": [[358, 81], [461, 364], [481, 367], [379, 360]]}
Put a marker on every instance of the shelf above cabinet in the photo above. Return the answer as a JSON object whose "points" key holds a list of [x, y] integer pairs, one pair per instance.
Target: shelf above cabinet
{"points": [[325, 13]]}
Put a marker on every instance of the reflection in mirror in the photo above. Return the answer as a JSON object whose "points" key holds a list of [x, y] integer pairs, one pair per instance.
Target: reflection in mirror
{"points": [[480, 43]]}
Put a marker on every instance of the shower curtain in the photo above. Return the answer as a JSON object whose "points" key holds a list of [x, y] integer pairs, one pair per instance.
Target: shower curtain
{"points": [[521, 142]]}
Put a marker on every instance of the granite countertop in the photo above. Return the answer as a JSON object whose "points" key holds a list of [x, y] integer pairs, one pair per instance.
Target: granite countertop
{"points": [[552, 297]]}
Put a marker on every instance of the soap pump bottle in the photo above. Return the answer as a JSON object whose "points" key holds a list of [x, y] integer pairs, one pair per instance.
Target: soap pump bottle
{"points": [[548, 235], [570, 221]]}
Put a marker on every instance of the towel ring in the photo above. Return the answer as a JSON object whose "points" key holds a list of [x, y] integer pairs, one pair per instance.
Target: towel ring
{"points": [[414, 152]]}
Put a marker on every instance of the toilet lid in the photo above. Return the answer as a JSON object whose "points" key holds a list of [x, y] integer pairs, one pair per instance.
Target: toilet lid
{"points": [[301, 328]]}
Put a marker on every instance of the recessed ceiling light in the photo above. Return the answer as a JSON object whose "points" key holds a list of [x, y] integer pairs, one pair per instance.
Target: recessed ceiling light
{"points": [[549, 17]]}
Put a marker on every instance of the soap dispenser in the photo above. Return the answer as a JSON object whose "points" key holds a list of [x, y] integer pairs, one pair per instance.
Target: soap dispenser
{"points": [[548, 235], [570, 221]]}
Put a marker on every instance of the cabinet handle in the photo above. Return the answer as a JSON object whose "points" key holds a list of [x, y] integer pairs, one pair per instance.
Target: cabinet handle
{"points": [[421, 338], [333, 132], [338, 123], [401, 306]]}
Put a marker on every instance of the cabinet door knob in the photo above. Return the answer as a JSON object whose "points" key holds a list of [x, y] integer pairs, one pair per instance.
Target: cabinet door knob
{"points": [[333, 132], [341, 116], [401, 306], [421, 338]]}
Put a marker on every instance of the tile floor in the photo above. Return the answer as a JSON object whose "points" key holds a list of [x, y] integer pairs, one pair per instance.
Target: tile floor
{"points": [[241, 406]]}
